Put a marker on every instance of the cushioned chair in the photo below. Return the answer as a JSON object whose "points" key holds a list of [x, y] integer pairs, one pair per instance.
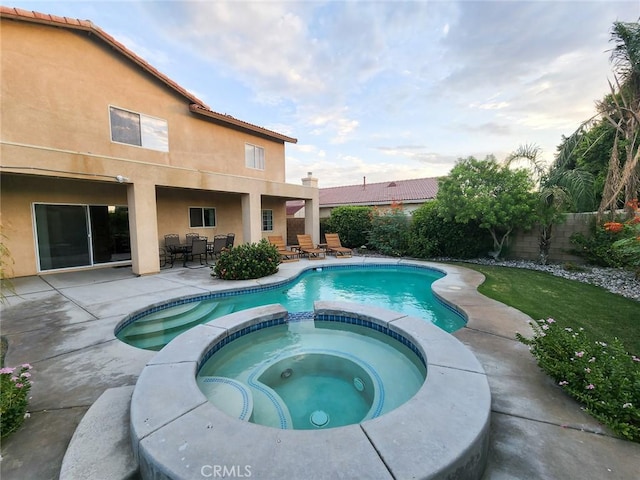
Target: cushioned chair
{"points": [[334, 246], [286, 254], [305, 244]]}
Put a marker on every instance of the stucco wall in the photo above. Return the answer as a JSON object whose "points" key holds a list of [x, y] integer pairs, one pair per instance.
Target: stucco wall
{"points": [[62, 101], [525, 245], [19, 193]]}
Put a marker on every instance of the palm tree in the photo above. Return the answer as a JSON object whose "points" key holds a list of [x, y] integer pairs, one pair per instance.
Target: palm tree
{"points": [[560, 189], [622, 110]]}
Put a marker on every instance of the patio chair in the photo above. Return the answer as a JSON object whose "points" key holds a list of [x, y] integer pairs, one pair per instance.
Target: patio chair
{"points": [[305, 244], [191, 237], [334, 245], [199, 248], [219, 244], [230, 239], [286, 254], [172, 240]]}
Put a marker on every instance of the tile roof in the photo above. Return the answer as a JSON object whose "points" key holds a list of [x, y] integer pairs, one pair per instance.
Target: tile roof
{"points": [[407, 191], [197, 105]]}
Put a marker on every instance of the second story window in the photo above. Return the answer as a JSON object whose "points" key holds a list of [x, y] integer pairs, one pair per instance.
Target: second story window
{"points": [[254, 156], [138, 129]]}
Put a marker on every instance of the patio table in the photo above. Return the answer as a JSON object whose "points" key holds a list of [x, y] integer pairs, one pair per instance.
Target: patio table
{"points": [[183, 249]]}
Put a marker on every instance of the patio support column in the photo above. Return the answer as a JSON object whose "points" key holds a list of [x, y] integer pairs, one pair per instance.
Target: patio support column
{"points": [[312, 208], [251, 218], [143, 228], [312, 219]]}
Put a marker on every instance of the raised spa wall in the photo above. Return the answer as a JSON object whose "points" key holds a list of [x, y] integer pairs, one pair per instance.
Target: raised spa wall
{"points": [[442, 432]]}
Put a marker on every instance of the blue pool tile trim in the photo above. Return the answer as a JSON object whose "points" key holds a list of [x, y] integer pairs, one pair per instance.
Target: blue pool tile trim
{"points": [[229, 293], [374, 326], [237, 334], [237, 386]]}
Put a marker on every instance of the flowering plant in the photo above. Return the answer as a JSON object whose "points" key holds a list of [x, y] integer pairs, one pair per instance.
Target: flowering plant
{"points": [[599, 374], [629, 246], [15, 384], [246, 261]]}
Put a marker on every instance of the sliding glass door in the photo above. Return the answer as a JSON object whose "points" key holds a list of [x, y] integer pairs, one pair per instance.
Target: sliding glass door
{"points": [[81, 235]]}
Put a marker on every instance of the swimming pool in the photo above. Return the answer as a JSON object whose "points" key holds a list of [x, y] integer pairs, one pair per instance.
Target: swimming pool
{"points": [[406, 289]]}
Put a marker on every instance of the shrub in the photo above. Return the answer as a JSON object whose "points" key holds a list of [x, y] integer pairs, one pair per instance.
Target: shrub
{"points": [[599, 374], [389, 232], [15, 384], [250, 260], [597, 248], [351, 223], [430, 235], [628, 243]]}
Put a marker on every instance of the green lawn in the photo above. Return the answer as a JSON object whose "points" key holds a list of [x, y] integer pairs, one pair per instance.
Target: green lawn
{"points": [[571, 303]]}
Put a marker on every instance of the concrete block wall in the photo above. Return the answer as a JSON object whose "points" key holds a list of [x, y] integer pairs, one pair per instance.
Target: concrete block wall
{"points": [[525, 245]]}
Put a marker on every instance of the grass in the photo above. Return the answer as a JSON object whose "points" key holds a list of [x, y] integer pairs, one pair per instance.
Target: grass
{"points": [[602, 314]]}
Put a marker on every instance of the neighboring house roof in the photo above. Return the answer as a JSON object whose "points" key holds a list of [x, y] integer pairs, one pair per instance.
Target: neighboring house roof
{"points": [[417, 190], [294, 206], [197, 106]]}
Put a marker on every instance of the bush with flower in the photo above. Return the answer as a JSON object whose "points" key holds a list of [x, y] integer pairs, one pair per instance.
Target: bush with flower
{"points": [[15, 385], [628, 245], [247, 261], [599, 374], [615, 243]]}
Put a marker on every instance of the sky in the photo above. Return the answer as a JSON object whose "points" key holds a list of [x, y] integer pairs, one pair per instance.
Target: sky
{"points": [[387, 90]]}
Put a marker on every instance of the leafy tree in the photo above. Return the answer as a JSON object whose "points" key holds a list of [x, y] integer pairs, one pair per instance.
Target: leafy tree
{"points": [[499, 198], [351, 223]]}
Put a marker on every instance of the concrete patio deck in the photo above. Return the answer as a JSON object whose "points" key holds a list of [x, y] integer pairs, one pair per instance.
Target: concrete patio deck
{"points": [[63, 325]]}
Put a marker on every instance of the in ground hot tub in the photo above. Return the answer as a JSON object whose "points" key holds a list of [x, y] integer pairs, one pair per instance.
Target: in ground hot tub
{"points": [[308, 373], [439, 431]]}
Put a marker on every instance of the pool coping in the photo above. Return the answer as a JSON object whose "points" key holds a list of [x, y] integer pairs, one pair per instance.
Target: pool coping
{"points": [[441, 432]]}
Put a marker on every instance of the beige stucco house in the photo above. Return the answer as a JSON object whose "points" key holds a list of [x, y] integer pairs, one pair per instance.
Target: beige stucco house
{"points": [[101, 155]]}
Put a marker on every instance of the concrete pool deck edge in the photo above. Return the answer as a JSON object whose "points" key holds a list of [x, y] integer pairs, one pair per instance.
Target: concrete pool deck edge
{"points": [[441, 432], [63, 324]]}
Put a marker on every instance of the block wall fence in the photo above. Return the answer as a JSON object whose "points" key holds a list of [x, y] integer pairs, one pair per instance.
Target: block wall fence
{"points": [[525, 245]]}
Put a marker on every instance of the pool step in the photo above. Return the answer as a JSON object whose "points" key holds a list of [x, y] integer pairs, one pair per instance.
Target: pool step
{"points": [[154, 336], [191, 317], [170, 315]]}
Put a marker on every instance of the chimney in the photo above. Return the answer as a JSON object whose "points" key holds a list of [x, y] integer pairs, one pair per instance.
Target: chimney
{"points": [[309, 181], [364, 183]]}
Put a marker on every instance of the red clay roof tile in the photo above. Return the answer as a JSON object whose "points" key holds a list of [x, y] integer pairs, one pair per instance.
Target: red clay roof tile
{"points": [[407, 191]]}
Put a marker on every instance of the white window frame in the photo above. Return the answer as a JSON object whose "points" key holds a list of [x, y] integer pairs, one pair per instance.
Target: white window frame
{"points": [[267, 220], [253, 156], [153, 132], [203, 217]]}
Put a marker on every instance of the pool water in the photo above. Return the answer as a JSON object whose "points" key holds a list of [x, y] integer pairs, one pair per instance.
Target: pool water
{"points": [[402, 289], [314, 374]]}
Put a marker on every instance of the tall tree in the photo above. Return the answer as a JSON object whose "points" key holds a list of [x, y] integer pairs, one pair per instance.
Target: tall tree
{"points": [[622, 110], [499, 198]]}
